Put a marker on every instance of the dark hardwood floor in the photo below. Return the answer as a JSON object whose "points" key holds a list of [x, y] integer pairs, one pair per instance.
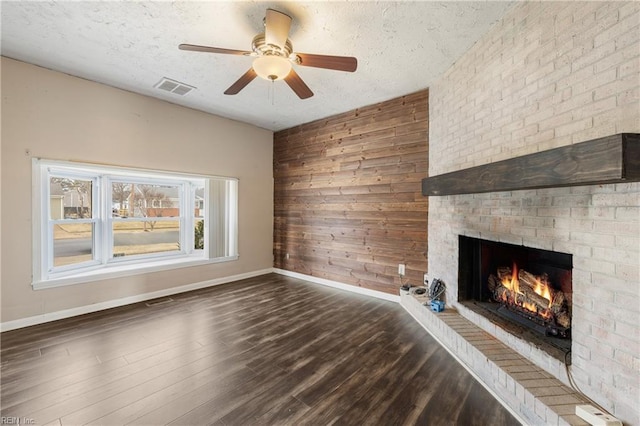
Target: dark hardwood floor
{"points": [[266, 350]]}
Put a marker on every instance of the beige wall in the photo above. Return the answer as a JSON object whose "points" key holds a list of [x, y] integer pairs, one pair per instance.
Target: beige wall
{"points": [[551, 74], [56, 116]]}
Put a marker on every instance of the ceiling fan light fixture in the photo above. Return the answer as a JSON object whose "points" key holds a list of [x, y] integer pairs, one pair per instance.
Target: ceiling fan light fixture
{"points": [[272, 67]]}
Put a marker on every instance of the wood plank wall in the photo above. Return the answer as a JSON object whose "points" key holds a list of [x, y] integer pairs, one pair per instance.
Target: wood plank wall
{"points": [[348, 204]]}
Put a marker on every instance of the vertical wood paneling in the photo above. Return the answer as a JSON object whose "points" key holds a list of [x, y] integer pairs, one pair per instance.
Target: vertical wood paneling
{"points": [[348, 204]]}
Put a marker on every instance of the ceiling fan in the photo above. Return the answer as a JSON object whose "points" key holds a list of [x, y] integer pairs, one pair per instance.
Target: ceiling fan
{"points": [[274, 57]]}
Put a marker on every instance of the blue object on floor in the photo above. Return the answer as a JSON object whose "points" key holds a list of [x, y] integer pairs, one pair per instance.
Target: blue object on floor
{"points": [[437, 305]]}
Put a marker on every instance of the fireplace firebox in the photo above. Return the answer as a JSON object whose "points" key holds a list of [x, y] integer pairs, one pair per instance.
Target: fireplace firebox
{"points": [[524, 290]]}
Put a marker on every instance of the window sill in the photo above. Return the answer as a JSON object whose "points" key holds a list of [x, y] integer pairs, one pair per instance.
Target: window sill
{"points": [[119, 271]]}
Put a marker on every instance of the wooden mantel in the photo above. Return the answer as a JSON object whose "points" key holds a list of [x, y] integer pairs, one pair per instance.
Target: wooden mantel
{"points": [[612, 159]]}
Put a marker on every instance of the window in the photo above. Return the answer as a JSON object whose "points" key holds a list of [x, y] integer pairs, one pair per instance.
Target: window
{"points": [[95, 222]]}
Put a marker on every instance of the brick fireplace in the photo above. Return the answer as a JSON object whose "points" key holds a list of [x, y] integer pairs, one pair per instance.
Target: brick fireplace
{"points": [[550, 75], [526, 291]]}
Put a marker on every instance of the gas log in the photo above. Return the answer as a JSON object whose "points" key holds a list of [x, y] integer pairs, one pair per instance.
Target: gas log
{"points": [[559, 303], [523, 293], [563, 319]]}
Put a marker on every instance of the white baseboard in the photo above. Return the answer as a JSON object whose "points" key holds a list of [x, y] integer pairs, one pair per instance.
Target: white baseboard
{"points": [[81, 310], [339, 285]]}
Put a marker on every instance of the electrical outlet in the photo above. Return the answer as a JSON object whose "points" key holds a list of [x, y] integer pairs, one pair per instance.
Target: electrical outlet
{"points": [[401, 269], [287, 256], [596, 417], [425, 280]]}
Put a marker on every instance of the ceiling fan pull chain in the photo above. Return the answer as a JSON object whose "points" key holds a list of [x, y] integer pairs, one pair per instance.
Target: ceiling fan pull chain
{"points": [[272, 91]]}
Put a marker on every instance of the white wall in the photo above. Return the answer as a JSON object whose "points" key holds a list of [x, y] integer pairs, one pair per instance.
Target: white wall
{"points": [[550, 74], [56, 116]]}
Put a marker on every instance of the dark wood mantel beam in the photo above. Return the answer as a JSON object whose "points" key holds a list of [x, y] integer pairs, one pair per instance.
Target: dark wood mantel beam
{"points": [[612, 159]]}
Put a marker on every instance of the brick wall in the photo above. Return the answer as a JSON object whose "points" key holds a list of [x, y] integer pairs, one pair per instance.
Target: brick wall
{"points": [[548, 75]]}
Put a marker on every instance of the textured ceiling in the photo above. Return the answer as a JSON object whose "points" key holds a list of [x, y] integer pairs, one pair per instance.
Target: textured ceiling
{"points": [[402, 47]]}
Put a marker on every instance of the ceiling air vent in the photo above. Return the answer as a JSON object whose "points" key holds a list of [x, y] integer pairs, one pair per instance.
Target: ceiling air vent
{"points": [[173, 86]]}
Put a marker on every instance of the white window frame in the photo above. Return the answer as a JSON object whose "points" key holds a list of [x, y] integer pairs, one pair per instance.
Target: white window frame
{"points": [[103, 265]]}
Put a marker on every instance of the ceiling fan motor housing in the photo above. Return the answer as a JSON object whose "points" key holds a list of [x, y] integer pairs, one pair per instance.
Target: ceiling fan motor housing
{"points": [[262, 48]]}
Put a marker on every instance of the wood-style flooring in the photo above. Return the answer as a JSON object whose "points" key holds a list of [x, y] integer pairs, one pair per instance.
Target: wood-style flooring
{"points": [[266, 350]]}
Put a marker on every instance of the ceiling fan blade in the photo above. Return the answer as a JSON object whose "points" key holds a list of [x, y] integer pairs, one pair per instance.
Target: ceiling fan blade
{"points": [[196, 48], [277, 26], [297, 85], [340, 63], [241, 83]]}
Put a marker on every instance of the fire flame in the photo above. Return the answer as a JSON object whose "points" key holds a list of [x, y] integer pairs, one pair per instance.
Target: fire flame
{"points": [[512, 284], [541, 288]]}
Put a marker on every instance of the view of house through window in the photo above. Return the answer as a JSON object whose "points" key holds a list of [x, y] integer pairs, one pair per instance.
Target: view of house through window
{"points": [[146, 218], [100, 217], [71, 214]]}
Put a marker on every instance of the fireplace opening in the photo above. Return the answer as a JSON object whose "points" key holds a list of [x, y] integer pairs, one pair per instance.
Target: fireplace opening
{"points": [[526, 291]]}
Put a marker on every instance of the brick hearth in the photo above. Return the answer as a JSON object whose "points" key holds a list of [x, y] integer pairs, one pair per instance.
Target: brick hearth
{"points": [[531, 392]]}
